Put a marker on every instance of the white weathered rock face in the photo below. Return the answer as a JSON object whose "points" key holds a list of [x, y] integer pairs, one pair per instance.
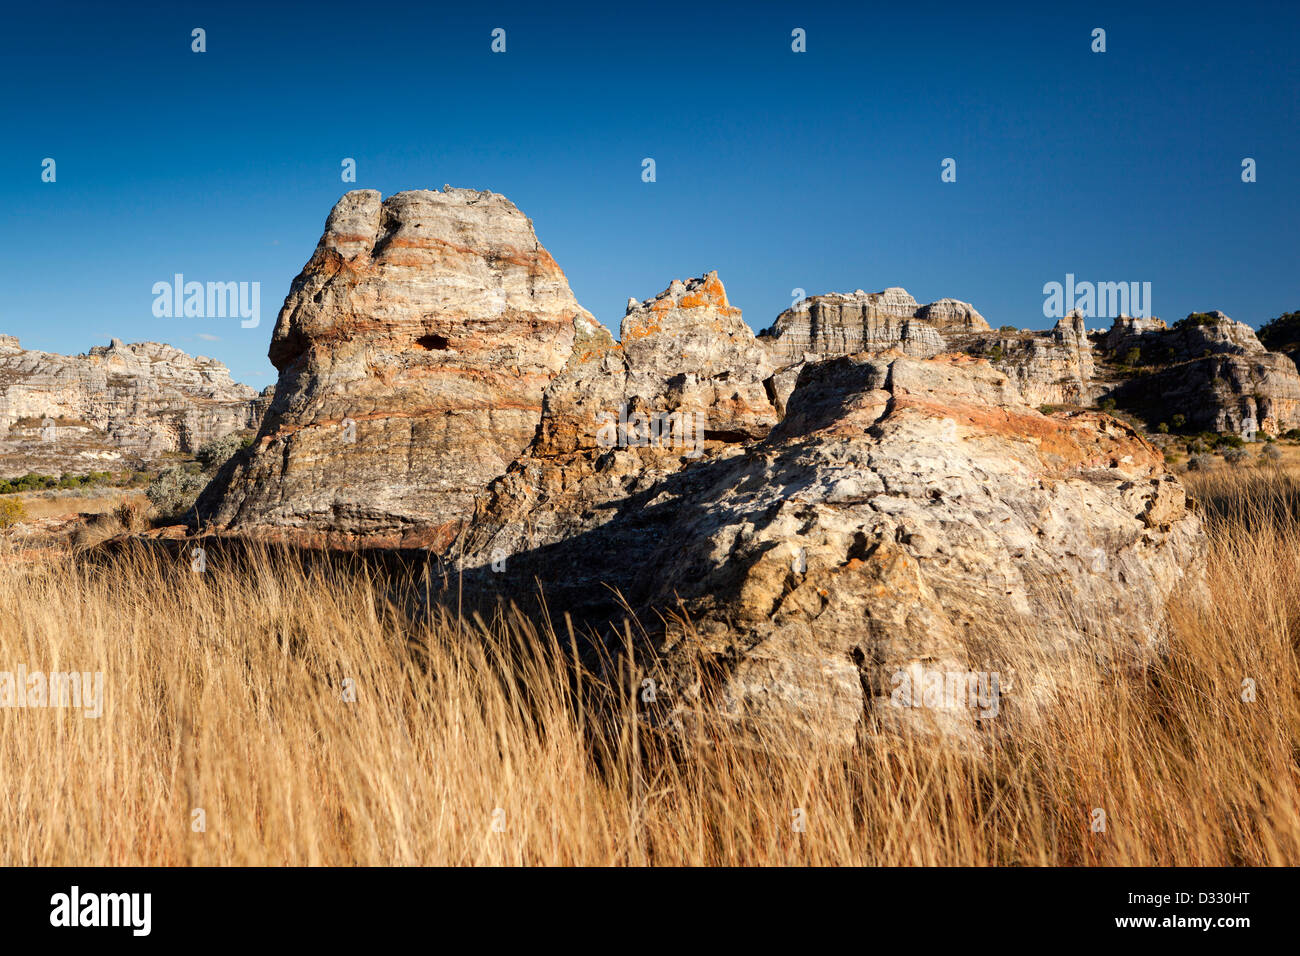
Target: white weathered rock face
{"points": [[1127, 331], [917, 515], [1055, 367], [413, 352], [824, 326], [1051, 368], [116, 402]]}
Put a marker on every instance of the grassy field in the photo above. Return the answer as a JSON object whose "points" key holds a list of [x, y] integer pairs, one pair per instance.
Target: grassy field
{"points": [[229, 693]]}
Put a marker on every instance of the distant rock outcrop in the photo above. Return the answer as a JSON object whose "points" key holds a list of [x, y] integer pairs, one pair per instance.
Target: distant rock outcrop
{"points": [[824, 326], [1049, 368], [115, 404], [1209, 369], [413, 349]]}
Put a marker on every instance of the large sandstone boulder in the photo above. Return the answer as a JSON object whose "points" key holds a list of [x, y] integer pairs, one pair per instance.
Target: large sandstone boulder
{"points": [[912, 518], [413, 349], [906, 517]]}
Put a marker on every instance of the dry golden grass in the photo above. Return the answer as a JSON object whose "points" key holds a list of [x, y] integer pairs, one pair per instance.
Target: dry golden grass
{"points": [[223, 692]]}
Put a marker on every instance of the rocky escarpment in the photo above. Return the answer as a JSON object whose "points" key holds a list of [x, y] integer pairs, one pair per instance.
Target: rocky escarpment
{"points": [[826, 326], [115, 404], [1212, 371], [413, 350]]}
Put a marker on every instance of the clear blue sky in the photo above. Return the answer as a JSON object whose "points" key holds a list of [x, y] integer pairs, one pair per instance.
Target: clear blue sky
{"points": [[818, 170]]}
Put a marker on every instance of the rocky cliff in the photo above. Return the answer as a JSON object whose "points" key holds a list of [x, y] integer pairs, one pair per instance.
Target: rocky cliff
{"points": [[115, 404], [1209, 369]]}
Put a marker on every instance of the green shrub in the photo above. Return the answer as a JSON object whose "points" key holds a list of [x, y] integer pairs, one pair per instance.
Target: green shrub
{"points": [[1107, 405], [174, 492], [1235, 456], [11, 512], [1195, 319], [1281, 334], [215, 453]]}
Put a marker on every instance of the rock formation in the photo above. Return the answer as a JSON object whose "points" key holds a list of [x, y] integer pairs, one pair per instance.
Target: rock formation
{"points": [[685, 384], [795, 527], [905, 514], [413, 350], [116, 404], [824, 326], [1051, 368], [1208, 368]]}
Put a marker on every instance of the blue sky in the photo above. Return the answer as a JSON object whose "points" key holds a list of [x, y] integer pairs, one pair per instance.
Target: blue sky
{"points": [[817, 170]]}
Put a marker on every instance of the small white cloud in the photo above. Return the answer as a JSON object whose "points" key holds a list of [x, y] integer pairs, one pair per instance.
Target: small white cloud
{"points": [[207, 338]]}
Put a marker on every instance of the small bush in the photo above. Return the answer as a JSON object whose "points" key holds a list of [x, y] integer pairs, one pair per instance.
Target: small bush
{"points": [[1107, 405], [1178, 420], [1271, 453], [1235, 456], [1229, 441], [174, 492], [1200, 463], [213, 454], [129, 515], [1163, 428], [11, 512]]}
